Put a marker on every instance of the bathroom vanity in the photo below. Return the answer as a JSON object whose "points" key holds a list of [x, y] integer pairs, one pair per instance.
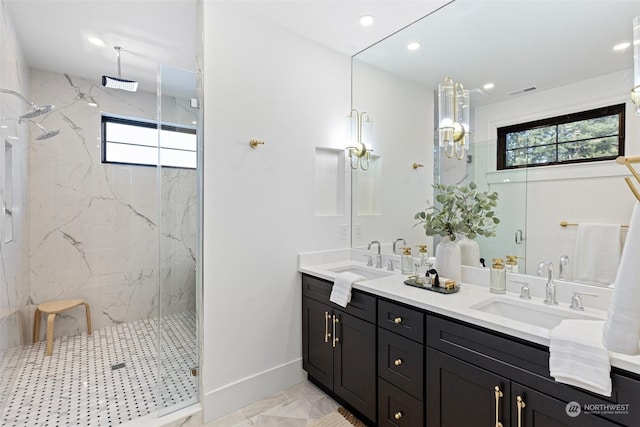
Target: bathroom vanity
{"points": [[402, 356]]}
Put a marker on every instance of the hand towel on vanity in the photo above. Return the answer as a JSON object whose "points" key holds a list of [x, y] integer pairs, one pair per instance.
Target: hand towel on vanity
{"points": [[622, 328], [597, 253], [341, 290], [577, 356]]}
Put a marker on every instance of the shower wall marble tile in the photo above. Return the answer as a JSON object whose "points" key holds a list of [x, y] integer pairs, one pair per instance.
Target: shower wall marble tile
{"points": [[14, 229], [94, 226]]}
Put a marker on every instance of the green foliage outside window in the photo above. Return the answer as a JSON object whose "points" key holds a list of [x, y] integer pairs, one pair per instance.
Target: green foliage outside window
{"points": [[586, 136]]}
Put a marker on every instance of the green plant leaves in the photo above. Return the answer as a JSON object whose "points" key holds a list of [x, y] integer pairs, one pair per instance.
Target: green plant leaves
{"points": [[463, 210]]}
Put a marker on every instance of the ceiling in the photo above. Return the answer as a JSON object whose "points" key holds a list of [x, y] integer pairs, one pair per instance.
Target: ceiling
{"points": [[54, 33], [515, 44]]}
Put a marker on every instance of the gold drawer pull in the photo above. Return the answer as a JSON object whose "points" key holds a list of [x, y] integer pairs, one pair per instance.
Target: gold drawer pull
{"points": [[397, 362], [520, 404], [397, 415], [397, 320], [498, 394], [336, 320]]}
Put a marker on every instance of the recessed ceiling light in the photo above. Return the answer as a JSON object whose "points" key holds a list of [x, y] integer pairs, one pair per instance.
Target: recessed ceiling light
{"points": [[413, 46], [622, 46], [194, 122], [366, 20], [92, 104], [96, 41], [488, 86]]}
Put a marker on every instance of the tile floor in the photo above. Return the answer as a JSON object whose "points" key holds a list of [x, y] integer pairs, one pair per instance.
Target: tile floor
{"points": [[104, 379], [298, 406]]}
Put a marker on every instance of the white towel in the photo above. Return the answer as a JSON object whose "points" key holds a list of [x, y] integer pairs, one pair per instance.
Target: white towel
{"points": [[577, 356], [341, 290], [622, 329], [597, 253]]}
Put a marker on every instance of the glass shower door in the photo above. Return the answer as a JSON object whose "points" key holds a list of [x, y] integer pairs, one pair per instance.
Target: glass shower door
{"points": [[178, 349]]}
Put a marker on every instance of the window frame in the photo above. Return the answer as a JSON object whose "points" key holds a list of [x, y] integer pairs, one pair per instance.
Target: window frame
{"points": [[149, 124], [617, 109]]}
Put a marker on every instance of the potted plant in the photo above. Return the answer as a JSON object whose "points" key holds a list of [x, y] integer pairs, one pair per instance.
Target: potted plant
{"points": [[461, 212]]}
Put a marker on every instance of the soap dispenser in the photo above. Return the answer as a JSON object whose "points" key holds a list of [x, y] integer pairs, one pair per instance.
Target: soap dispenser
{"points": [[421, 266], [512, 264], [406, 263], [498, 277]]}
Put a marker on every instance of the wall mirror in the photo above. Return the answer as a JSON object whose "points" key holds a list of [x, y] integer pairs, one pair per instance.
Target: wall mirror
{"points": [[544, 59]]}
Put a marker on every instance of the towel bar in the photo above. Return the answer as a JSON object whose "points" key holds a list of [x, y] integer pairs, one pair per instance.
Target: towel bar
{"points": [[570, 224]]}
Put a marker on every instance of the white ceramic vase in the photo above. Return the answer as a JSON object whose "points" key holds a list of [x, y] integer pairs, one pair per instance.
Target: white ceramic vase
{"points": [[469, 251], [448, 260]]}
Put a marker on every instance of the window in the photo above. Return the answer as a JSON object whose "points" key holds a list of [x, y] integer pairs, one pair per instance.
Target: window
{"points": [[579, 137], [135, 142]]}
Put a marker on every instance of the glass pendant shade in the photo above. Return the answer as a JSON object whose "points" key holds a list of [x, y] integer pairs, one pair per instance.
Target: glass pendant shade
{"points": [[462, 112], [445, 110]]}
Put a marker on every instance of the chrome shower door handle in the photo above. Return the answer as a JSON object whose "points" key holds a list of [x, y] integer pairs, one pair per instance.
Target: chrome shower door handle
{"points": [[518, 237]]}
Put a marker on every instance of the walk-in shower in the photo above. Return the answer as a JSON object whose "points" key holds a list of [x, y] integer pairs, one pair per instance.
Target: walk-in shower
{"points": [[121, 236]]}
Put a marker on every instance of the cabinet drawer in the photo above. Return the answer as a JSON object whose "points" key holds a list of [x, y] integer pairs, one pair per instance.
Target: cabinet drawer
{"points": [[401, 362], [397, 408], [362, 305], [402, 320], [484, 348]]}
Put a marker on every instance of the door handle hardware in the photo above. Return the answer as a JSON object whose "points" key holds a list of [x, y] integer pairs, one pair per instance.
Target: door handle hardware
{"points": [[327, 316], [498, 395], [520, 404]]}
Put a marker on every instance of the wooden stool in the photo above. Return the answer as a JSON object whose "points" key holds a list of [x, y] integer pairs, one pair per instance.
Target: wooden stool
{"points": [[52, 308]]}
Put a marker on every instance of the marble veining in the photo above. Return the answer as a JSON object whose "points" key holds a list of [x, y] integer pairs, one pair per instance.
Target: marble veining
{"points": [[94, 226]]}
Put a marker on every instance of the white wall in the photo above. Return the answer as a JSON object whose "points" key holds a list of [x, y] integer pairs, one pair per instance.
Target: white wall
{"points": [[264, 83], [402, 114], [588, 192]]}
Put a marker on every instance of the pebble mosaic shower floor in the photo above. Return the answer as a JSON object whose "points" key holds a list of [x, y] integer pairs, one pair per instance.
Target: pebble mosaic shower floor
{"points": [[104, 379]]}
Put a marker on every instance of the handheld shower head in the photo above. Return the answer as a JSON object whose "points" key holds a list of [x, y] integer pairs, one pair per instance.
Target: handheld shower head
{"points": [[35, 111], [46, 134]]}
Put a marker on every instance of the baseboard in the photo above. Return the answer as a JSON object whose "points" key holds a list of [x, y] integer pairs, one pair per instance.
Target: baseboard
{"points": [[234, 396]]}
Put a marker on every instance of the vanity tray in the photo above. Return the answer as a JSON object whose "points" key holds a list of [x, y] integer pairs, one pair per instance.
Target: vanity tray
{"points": [[440, 290]]}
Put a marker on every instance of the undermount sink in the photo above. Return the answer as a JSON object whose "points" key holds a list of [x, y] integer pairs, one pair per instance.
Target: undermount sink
{"points": [[547, 317], [367, 272]]}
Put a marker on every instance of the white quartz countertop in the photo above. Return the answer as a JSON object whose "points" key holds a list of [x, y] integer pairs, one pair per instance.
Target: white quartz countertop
{"points": [[459, 305]]}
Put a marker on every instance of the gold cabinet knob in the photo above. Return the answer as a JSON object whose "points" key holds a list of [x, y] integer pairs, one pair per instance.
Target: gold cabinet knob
{"points": [[397, 415], [397, 362], [398, 320]]}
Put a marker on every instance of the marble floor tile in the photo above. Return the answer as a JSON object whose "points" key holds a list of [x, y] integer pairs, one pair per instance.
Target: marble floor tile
{"points": [[298, 406], [81, 384]]}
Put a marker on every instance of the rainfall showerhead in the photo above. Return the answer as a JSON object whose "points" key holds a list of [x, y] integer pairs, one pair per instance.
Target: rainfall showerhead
{"points": [[46, 134], [35, 111], [119, 82]]}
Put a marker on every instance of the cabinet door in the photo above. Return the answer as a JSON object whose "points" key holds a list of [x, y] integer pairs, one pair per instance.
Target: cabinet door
{"points": [[317, 350], [541, 410], [355, 363], [460, 394]]}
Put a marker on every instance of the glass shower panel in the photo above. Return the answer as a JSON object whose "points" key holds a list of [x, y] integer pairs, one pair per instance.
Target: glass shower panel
{"points": [[511, 186], [178, 352]]}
